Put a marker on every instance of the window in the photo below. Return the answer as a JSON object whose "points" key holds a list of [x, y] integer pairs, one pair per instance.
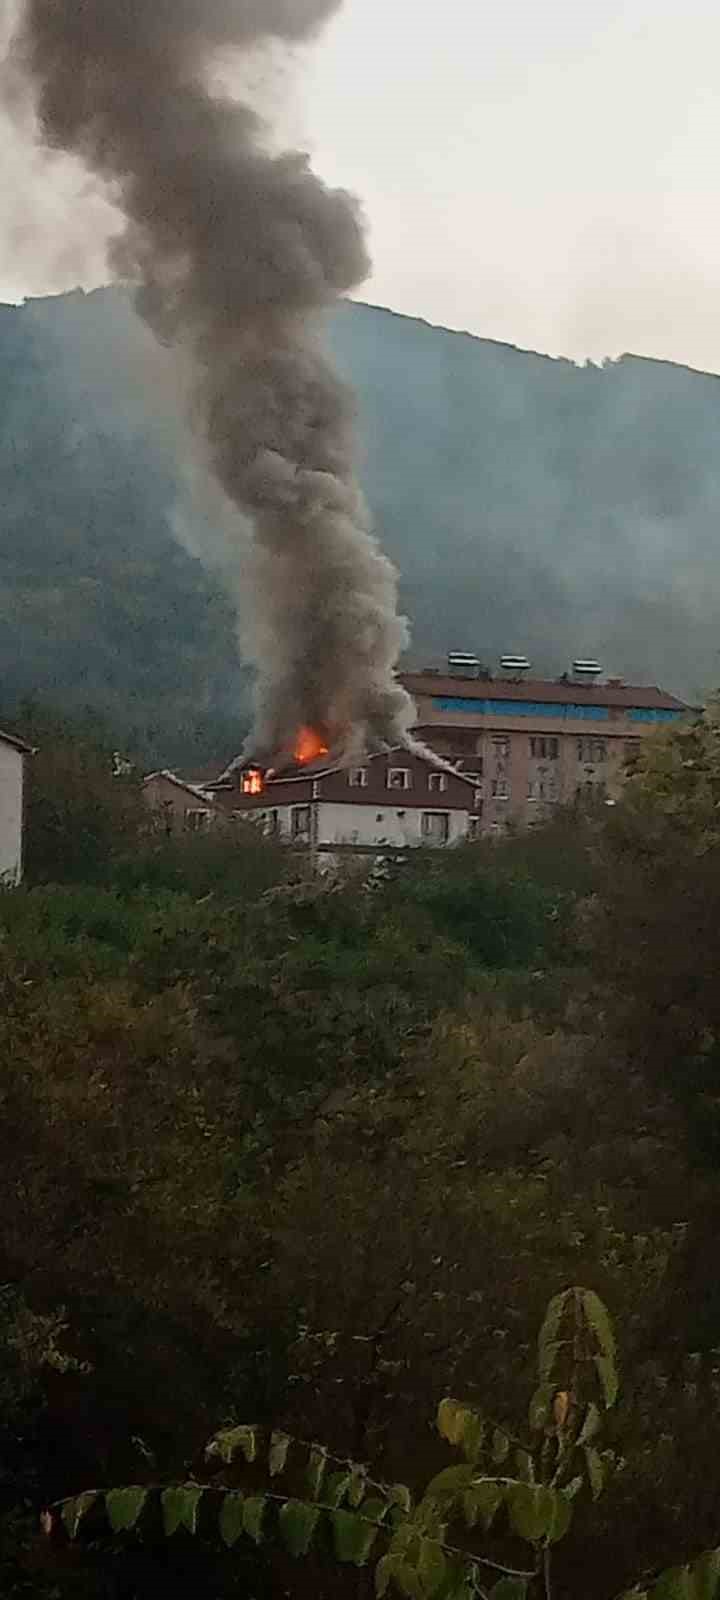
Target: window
{"points": [[436, 827], [398, 778], [544, 749], [500, 789], [300, 822], [197, 819], [501, 745], [272, 823], [588, 792], [474, 828], [358, 777], [437, 782], [592, 751], [631, 750], [543, 788]]}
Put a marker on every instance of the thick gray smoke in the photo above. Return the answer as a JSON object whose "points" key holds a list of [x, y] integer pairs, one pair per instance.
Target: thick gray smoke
{"points": [[236, 252]]}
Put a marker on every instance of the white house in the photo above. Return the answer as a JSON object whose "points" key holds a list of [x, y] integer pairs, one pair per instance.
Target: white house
{"points": [[13, 754], [394, 800]]}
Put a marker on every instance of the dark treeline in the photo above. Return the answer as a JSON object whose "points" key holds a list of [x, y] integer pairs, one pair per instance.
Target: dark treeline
{"points": [[315, 1154]]}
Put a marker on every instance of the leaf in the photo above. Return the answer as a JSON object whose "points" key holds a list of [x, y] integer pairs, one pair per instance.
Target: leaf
{"points": [[705, 1575], [509, 1589], [548, 1345], [451, 1421], [591, 1425], [383, 1574], [539, 1409], [561, 1519], [297, 1522], [354, 1537], [399, 1495], [278, 1453], [124, 1507], [404, 1574], [317, 1466], [595, 1470], [473, 1435], [500, 1446], [597, 1316], [180, 1507], [356, 1486], [461, 1580], [549, 1356], [524, 1465], [233, 1441], [532, 1510], [561, 1408], [451, 1482], [375, 1509], [75, 1510], [253, 1514], [231, 1521], [432, 1566], [336, 1488], [672, 1585], [607, 1374], [482, 1502]]}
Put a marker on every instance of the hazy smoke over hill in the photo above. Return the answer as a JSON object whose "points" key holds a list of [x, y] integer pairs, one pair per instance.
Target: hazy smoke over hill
{"points": [[236, 252]]}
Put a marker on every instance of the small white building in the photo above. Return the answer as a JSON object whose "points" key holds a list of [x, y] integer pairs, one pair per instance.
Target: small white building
{"points": [[395, 800], [13, 755]]}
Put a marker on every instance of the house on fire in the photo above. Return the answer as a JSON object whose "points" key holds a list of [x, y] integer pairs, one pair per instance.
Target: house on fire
{"points": [[394, 800]]}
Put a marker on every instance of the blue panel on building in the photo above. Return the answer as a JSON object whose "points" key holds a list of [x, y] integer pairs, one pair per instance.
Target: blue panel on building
{"points": [[524, 708], [646, 714]]}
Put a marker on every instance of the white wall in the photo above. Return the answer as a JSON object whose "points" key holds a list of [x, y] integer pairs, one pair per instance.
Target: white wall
{"points": [[372, 825], [11, 812]]}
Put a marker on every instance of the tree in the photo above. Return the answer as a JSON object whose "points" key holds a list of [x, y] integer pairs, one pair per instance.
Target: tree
{"points": [[79, 816], [512, 1496], [652, 932]]}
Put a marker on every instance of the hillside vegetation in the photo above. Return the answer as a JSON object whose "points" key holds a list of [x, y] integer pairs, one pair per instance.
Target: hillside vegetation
{"points": [[312, 1155], [528, 503]]}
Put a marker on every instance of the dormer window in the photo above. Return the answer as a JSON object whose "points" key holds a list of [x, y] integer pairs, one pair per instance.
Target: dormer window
{"points": [[398, 778], [437, 782], [358, 777]]}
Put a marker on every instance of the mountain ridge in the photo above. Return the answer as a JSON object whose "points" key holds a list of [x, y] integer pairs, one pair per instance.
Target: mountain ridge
{"points": [[529, 502]]}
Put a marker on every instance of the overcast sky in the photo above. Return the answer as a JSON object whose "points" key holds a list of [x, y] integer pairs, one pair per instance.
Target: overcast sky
{"points": [[545, 172]]}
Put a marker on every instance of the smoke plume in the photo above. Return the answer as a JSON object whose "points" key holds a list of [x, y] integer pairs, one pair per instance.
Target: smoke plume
{"points": [[235, 253]]}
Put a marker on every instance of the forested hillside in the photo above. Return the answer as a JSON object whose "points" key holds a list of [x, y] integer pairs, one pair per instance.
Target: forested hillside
{"points": [[529, 504]]}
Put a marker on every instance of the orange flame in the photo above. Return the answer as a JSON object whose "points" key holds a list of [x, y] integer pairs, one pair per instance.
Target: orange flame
{"points": [[309, 745], [252, 782]]}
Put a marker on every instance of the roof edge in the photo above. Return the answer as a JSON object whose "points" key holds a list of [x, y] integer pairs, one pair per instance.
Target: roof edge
{"points": [[17, 744]]}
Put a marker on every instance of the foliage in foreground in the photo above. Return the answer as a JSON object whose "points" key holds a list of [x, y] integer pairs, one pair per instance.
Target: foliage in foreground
{"points": [[511, 1498]]}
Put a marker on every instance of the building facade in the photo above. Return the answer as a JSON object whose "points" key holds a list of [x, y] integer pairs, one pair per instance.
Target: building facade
{"points": [[13, 758], [177, 804], [534, 744], [395, 800]]}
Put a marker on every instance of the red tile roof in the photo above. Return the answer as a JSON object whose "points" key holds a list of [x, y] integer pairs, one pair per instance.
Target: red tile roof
{"points": [[420, 684]]}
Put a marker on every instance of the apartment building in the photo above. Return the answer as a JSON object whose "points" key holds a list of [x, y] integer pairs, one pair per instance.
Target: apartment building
{"points": [[529, 743]]}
